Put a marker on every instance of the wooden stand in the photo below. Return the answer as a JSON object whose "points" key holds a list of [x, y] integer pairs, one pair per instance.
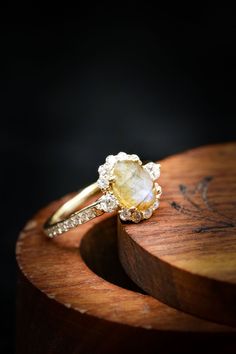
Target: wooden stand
{"points": [[185, 255], [74, 297]]}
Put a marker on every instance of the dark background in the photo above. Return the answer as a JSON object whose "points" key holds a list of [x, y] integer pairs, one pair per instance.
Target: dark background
{"points": [[82, 84]]}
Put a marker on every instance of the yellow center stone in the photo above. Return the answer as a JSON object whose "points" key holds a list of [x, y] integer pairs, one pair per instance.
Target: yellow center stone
{"points": [[132, 186]]}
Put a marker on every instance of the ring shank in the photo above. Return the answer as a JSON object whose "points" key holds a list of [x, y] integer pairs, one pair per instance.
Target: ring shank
{"points": [[71, 207], [73, 204]]}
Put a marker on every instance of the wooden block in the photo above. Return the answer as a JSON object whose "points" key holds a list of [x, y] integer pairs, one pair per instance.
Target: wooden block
{"points": [[74, 297], [185, 255]]}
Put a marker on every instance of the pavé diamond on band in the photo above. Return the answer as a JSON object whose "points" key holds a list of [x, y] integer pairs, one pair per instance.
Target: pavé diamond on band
{"points": [[128, 187]]}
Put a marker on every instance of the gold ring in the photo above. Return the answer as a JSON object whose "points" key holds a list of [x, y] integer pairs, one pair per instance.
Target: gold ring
{"points": [[128, 187]]}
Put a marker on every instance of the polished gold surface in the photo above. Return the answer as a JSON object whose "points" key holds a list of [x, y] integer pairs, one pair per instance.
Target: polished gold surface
{"points": [[70, 214], [127, 186], [74, 204]]}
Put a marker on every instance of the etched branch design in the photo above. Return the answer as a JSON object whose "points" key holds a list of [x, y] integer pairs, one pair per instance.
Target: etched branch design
{"points": [[197, 211]]}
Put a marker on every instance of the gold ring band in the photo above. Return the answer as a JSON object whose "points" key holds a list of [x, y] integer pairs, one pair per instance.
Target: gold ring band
{"points": [[67, 217], [128, 187]]}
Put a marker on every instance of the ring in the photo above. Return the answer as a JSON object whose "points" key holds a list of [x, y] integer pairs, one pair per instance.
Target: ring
{"points": [[128, 187]]}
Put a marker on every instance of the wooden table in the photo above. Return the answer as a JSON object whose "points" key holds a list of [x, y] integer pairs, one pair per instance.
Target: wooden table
{"points": [[74, 297]]}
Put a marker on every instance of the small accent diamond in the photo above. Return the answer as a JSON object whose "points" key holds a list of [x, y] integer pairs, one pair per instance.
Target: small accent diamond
{"points": [[104, 175], [103, 182], [122, 156], [155, 205], [108, 203], [75, 220], [158, 189], [104, 170], [125, 214], [136, 216], [110, 160], [147, 213], [153, 169], [91, 213], [83, 217], [133, 157]]}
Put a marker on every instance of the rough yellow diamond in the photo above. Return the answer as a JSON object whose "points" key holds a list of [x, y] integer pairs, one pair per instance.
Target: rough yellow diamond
{"points": [[133, 186]]}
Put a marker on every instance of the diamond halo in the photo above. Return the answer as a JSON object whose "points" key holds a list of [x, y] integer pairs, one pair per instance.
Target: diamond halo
{"points": [[109, 201], [128, 187]]}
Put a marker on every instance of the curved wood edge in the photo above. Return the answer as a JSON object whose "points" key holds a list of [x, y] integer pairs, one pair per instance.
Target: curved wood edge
{"points": [[134, 259], [64, 306], [159, 276]]}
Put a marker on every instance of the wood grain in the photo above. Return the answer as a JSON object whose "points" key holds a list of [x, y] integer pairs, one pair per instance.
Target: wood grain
{"points": [[185, 255], [74, 297]]}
